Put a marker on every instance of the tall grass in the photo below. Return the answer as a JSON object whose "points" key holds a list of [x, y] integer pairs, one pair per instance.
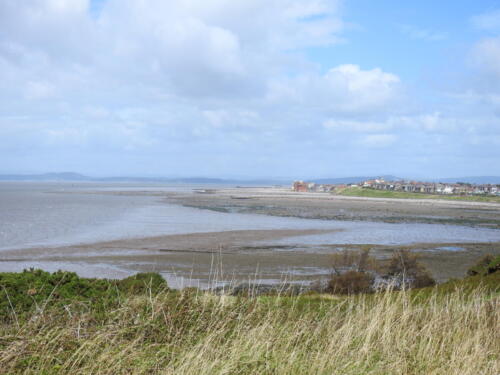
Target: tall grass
{"points": [[194, 332]]}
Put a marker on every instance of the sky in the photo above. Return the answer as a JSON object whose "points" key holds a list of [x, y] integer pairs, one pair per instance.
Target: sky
{"points": [[250, 88]]}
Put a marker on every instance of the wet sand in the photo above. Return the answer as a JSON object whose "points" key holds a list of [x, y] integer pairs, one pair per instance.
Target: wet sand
{"points": [[208, 242], [195, 258], [202, 259], [284, 202]]}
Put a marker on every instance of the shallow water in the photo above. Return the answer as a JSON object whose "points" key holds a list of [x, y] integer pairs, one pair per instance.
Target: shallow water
{"points": [[52, 214], [33, 214], [365, 232]]}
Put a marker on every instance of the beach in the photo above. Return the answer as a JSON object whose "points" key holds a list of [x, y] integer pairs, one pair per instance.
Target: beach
{"points": [[280, 201]]}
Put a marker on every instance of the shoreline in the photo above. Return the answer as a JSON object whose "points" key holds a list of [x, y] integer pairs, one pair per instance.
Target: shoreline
{"points": [[270, 255], [284, 203]]}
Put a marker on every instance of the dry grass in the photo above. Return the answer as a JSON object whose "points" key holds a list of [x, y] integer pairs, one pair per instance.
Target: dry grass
{"points": [[196, 333]]}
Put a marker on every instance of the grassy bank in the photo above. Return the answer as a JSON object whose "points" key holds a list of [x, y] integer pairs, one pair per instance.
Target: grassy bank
{"points": [[373, 193], [139, 326]]}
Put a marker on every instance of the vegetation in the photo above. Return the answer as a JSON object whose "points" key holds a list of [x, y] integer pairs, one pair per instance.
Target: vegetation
{"points": [[357, 272], [405, 269], [32, 291], [148, 329], [354, 260], [485, 266], [351, 282], [373, 193]]}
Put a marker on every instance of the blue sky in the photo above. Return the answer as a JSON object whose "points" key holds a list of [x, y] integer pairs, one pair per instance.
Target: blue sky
{"points": [[276, 88]]}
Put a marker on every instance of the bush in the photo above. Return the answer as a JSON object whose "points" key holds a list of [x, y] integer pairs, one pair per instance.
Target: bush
{"points": [[494, 265], [351, 282], [405, 271], [486, 265], [352, 272], [32, 290], [142, 282], [352, 260]]}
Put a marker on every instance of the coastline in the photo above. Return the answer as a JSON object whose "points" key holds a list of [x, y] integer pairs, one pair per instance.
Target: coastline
{"points": [[272, 255], [325, 206]]}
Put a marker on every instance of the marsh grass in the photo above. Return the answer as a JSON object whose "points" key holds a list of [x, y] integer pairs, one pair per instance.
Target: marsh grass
{"points": [[450, 330]]}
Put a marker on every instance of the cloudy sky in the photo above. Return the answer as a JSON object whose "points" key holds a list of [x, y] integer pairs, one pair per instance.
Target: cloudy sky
{"points": [[250, 88]]}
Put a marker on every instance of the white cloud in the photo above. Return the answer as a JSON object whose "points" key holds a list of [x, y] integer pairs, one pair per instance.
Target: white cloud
{"points": [[422, 33], [217, 48], [355, 125], [187, 48], [206, 83], [364, 88], [378, 140], [487, 21], [39, 90], [486, 56], [58, 28], [237, 118], [345, 88], [427, 122], [431, 123]]}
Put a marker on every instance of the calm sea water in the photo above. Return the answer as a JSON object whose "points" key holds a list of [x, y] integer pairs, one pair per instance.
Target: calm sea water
{"points": [[51, 214]]}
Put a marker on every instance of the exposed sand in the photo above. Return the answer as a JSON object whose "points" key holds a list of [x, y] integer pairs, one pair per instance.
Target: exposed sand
{"points": [[201, 258], [208, 242], [283, 202]]}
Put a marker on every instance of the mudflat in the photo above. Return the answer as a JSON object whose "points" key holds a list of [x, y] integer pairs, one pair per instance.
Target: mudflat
{"points": [[201, 259], [189, 256], [284, 202], [205, 242]]}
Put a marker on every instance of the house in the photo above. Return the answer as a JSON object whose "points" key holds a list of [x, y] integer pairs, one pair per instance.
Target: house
{"points": [[448, 189], [300, 186], [406, 186]]}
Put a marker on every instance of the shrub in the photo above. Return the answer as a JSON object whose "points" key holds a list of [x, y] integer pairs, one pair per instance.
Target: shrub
{"points": [[352, 272], [359, 261], [32, 290], [405, 271], [351, 282], [494, 265], [486, 265], [142, 282]]}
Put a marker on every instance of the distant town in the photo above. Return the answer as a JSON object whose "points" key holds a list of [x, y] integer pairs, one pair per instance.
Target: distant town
{"points": [[459, 188]]}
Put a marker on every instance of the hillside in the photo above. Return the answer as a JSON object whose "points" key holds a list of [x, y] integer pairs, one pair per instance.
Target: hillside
{"points": [[139, 326]]}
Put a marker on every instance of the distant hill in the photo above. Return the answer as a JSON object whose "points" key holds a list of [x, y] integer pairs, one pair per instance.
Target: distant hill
{"points": [[194, 180], [71, 176], [469, 179], [63, 176]]}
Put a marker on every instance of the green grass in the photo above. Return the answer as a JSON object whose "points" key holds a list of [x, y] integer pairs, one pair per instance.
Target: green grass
{"points": [[149, 329], [373, 193], [32, 291]]}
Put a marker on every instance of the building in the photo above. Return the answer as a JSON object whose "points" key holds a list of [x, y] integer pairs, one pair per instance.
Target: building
{"points": [[300, 186]]}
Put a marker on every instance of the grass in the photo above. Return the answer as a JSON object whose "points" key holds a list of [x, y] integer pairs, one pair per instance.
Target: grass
{"points": [[149, 329], [373, 193], [33, 291]]}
